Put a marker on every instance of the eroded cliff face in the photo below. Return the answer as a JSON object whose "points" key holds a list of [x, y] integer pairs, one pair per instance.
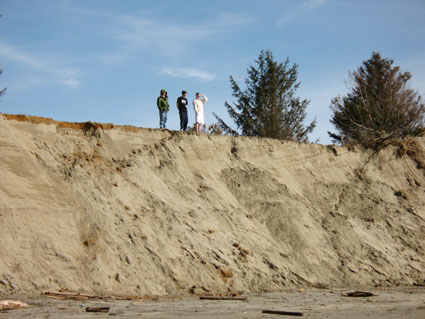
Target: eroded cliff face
{"points": [[127, 211]]}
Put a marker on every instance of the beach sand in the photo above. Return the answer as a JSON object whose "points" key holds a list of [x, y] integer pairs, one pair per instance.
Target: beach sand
{"points": [[388, 304]]}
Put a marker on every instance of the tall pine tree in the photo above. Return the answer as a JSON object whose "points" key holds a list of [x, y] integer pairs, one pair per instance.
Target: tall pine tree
{"points": [[268, 106], [380, 106]]}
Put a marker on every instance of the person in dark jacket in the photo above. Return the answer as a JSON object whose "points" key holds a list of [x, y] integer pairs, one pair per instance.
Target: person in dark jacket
{"points": [[182, 107], [163, 107]]}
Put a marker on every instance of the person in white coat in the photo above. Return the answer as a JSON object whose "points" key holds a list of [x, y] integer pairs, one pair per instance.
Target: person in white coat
{"points": [[198, 106]]}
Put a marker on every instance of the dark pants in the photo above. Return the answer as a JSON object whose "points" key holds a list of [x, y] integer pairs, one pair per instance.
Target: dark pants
{"points": [[183, 119]]}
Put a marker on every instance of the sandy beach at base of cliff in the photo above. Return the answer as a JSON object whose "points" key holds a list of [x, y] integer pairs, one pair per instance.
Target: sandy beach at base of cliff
{"points": [[389, 303]]}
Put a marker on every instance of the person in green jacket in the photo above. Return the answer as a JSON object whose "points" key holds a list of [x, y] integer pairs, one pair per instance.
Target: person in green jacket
{"points": [[163, 107]]}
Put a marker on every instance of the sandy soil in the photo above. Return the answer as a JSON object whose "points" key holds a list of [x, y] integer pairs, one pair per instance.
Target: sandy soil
{"points": [[128, 211], [388, 304]]}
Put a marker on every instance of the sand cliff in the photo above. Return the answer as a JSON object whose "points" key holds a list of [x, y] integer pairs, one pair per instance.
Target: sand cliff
{"points": [[130, 211]]}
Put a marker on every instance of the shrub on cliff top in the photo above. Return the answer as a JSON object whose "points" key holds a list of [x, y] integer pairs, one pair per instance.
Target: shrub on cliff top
{"points": [[268, 106], [379, 106]]}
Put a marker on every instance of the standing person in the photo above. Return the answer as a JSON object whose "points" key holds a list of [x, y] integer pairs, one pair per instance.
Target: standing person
{"points": [[182, 107], [163, 107], [198, 106]]}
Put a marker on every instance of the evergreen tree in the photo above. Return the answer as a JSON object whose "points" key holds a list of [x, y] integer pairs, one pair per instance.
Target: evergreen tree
{"points": [[268, 106], [379, 106]]}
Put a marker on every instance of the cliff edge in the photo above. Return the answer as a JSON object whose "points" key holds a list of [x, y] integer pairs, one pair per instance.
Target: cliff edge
{"points": [[121, 210]]}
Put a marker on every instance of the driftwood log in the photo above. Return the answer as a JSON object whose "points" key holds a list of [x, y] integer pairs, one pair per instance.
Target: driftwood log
{"points": [[73, 295], [285, 313], [12, 304], [97, 309], [358, 294], [223, 298]]}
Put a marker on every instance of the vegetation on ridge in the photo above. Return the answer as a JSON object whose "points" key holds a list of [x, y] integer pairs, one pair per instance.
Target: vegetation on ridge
{"points": [[268, 106], [380, 106]]}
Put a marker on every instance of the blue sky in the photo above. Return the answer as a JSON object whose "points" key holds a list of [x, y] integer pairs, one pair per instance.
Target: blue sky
{"points": [[106, 60]]}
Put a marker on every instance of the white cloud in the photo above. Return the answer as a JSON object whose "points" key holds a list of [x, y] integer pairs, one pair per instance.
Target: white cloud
{"points": [[11, 53], [49, 66], [312, 4], [138, 34], [72, 82], [187, 73], [298, 11]]}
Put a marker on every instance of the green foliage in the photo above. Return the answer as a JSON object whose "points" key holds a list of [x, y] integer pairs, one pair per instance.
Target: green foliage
{"points": [[379, 106], [268, 106]]}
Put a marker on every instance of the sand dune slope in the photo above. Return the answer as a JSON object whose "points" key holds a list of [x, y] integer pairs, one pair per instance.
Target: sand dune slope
{"points": [[127, 211]]}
